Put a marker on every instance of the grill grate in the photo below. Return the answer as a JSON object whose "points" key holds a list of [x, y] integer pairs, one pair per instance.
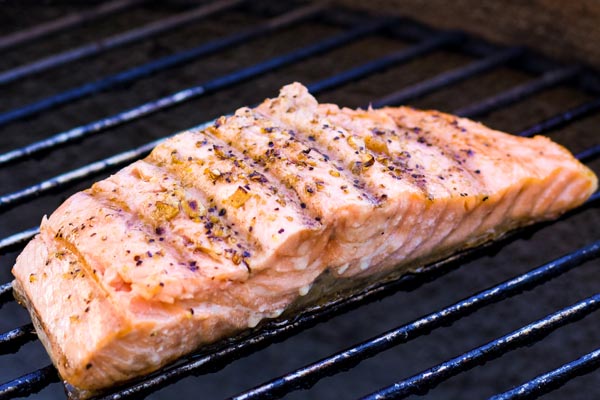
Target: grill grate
{"points": [[424, 41]]}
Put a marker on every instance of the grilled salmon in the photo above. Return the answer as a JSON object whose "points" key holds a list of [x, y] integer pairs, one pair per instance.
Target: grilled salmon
{"points": [[222, 228]]}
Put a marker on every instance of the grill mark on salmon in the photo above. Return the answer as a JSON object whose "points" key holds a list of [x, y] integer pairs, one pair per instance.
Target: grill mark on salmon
{"points": [[315, 129], [339, 145], [455, 148], [78, 266], [250, 175], [105, 192], [443, 175], [342, 202], [374, 134], [268, 144], [264, 202], [435, 164], [287, 239], [141, 263], [187, 220]]}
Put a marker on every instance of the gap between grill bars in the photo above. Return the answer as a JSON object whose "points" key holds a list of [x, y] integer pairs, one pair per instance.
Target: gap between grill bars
{"points": [[38, 379]]}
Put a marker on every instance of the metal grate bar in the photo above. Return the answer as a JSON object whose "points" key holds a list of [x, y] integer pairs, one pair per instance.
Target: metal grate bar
{"points": [[521, 337], [148, 69], [29, 383], [15, 240], [589, 154], [46, 29], [385, 62], [513, 95], [449, 78], [5, 293], [181, 96], [115, 41], [11, 341], [553, 380], [75, 175], [563, 118], [339, 362]]}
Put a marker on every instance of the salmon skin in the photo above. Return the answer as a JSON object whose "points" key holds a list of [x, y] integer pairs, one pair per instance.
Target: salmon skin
{"points": [[222, 228]]}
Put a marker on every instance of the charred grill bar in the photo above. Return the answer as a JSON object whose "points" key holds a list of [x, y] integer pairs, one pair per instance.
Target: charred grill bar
{"points": [[425, 41]]}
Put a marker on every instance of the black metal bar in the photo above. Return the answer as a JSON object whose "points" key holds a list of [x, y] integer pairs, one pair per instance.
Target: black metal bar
{"points": [[588, 154], [46, 29], [449, 78], [11, 341], [213, 85], [528, 334], [385, 62], [5, 293], [145, 70], [563, 118], [554, 379], [29, 383], [74, 176], [17, 239], [115, 41], [517, 93], [339, 362]]}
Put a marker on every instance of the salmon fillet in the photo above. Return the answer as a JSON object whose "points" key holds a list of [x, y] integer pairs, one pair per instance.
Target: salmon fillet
{"points": [[220, 229]]}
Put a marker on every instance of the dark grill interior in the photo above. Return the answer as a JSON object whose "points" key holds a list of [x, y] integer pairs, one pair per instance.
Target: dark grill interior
{"points": [[351, 59]]}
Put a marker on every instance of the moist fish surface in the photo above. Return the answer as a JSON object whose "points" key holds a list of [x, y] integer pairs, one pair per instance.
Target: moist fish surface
{"points": [[222, 228]]}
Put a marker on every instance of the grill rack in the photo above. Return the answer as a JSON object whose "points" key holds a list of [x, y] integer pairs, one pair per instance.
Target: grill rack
{"points": [[427, 40]]}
